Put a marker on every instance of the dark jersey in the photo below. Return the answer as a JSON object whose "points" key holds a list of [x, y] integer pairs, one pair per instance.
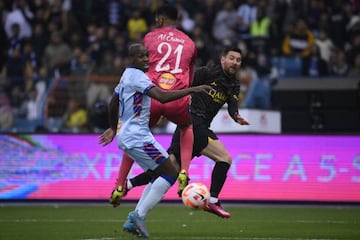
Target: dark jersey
{"points": [[226, 90], [204, 107]]}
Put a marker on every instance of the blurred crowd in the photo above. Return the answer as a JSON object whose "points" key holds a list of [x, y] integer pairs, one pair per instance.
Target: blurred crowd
{"points": [[42, 41]]}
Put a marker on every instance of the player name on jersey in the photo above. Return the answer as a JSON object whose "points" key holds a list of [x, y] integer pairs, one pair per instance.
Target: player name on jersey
{"points": [[170, 38]]}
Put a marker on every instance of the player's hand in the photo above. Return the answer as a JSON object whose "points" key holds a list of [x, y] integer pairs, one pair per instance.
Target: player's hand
{"points": [[107, 137], [240, 120], [202, 88]]}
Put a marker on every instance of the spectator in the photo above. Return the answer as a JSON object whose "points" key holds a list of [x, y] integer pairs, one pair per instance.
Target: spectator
{"points": [[299, 42], [339, 67], [354, 49], [31, 108], [22, 16], [278, 16], [337, 23], [260, 31], [314, 65], [98, 116], [120, 65], [80, 77], [325, 45], [39, 39], [355, 70], [313, 14], [120, 46], [57, 55], [6, 113], [59, 15], [84, 87], [116, 13], [15, 73], [75, 118], [15, 41], [187, 24], [353, 24], [76, 40], [136, 26], [106, 67], [4, 44], [31, 58], [254, 92], [75, 60], [297, 47], [201, 41], [225, 24], [209, 9], [145, 12], [247, 12], [98, 43]]}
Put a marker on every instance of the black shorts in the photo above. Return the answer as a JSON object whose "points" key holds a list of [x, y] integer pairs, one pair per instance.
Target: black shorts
{"points": [[202, 135]]}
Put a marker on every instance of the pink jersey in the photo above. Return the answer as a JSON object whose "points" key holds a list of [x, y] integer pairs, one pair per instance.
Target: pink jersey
{"points": [[172, 55]]}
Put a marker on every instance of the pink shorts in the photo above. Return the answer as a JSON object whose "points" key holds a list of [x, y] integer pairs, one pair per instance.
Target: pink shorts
{"points": [[175, 111]]}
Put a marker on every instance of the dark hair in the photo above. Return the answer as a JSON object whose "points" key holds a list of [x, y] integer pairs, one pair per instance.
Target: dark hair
{"points": [[227, 49], [168, 11]]}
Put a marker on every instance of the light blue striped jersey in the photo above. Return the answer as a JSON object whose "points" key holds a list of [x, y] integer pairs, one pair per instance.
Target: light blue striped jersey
{"points": [[134, 110]]}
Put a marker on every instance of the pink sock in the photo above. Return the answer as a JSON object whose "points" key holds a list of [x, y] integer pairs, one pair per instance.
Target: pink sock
{"points": [[186, 147], [124, 169]]}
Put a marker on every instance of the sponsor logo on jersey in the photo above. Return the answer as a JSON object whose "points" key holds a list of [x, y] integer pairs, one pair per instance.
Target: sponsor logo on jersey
{"points": [[167, 80], [218, 97]]}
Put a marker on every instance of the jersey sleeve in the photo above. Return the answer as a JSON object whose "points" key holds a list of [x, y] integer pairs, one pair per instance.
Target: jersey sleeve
{"points": [[117, 89], [141, 83], [233, 107]]}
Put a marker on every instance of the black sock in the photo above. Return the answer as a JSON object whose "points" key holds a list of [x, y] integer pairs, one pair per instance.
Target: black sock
{"points": [[141, 179], [218, 178]]}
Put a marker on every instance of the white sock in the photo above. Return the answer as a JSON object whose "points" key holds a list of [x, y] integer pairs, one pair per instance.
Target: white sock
{"points": [[128, 184], [143, 195], [213, 200], [157, 191]]}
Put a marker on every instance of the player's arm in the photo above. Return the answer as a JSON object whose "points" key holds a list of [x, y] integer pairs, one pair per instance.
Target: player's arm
{"points": [[113, 114], [167, 96], [233, 110]]}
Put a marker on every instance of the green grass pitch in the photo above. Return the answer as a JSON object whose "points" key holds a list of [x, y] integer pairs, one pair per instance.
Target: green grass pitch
{"points": [[174, 221]]}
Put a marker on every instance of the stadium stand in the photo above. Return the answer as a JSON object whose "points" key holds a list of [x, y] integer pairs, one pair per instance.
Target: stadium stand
{"points": [[78, 52]]}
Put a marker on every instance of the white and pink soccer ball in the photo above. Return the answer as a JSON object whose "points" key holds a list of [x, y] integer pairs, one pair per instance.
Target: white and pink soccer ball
{"points": [[195, 195]]}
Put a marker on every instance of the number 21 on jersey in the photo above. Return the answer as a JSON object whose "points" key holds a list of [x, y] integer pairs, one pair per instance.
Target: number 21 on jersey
{"points": [[166, 49]]}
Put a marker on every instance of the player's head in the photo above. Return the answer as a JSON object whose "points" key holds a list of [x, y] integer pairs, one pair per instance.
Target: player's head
{"points": [[231, 60], [166, 15], [139, 56]]}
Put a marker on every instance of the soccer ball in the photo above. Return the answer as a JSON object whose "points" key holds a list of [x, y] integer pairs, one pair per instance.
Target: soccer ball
{"points": [[195, 195]]}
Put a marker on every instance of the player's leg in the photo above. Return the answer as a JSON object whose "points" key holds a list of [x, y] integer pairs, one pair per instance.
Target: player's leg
{"points": [[186, 141], [178, 112], [216, 151], [149, 175], [152, 156], [122, 185]]}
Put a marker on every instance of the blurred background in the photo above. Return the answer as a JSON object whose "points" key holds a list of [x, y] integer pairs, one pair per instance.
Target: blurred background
{"points": [[60, 59]]}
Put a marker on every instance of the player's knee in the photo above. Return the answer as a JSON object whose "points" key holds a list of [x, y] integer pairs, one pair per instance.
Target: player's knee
{"points": [[169, 178], [227, 158], [174, 162], [223, 158]]}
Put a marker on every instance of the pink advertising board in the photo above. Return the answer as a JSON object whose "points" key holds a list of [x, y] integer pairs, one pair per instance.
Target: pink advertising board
{"points": [[265, 167]]}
